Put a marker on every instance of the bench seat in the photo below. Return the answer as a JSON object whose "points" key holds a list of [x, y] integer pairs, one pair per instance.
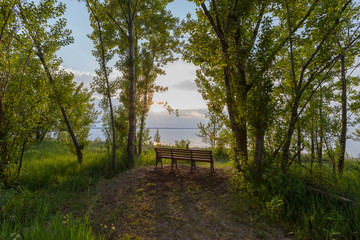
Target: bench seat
{"points": [[184, 155]]}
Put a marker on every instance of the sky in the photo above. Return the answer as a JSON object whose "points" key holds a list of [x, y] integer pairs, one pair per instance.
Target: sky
{"points": [[182, 92]]}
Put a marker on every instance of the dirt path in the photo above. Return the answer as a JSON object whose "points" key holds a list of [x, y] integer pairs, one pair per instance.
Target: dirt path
{"points": [[165, 204]]}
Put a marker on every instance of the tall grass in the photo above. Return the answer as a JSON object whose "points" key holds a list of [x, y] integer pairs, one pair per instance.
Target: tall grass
{"points": [[310, 214], [30, 205]]}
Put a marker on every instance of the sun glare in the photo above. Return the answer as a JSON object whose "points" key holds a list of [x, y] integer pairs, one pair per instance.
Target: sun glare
{"points": [[156, 108]]}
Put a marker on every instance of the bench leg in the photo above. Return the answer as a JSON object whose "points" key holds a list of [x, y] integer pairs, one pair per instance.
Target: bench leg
{"points": [[212, 170], [192, 165], [173, 161], [157, 161]]}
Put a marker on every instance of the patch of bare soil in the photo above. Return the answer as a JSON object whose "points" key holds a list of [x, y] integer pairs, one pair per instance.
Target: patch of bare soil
{"points": [[174, 204]]}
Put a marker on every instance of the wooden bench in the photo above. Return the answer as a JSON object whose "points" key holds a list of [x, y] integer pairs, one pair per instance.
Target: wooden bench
{"points": [[184, 155]]}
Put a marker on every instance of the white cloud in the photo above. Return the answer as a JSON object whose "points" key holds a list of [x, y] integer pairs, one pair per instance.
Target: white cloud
{"points": [[192, 114], [188, 118], [187, 85], [81, 76], [88, 77]]}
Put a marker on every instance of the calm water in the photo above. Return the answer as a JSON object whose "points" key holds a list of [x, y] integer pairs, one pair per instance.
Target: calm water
{"points": [[167, 136]]}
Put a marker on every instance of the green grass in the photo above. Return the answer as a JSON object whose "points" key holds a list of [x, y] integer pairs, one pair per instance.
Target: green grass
{"points": [[286, 197], [31, 204]]}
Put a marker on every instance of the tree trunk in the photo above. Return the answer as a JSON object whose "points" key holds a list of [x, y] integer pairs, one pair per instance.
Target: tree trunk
{"points": [[242, 122], [113, 128], [72, 134], [239, 128], [239, 132], [290, 131], [106, 74], [259, 149], [321, 133], [312, 154], [342, 140], [299, 142], [132, 94], [21, 157], [63, 112], [143, 114]]}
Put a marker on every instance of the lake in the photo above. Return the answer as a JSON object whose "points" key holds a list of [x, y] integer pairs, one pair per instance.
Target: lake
{"points": [[167, 135]]}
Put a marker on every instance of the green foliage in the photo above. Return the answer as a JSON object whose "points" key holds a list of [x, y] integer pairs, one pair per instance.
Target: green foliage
{"points": [[31, 203], [309, 214], [157, 137], [33, 84], [210, 132], [182, 144], [121, 128], [221, 155], [82, 115]]}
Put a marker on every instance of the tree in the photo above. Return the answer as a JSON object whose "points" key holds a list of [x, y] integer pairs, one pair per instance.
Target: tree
{"points": [[78, 102], [23, 92], [155, 54], [210, 132], [103, 54], [235, 44], [312, 59], [47, 40], [182, 144], [135, 26], [348, 44], [157, 138]]}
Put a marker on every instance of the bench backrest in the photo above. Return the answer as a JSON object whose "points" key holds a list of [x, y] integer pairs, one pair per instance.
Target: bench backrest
{"points": [[185, 153]]}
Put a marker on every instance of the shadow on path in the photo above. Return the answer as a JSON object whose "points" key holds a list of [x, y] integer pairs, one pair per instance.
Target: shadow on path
{"points": [[165, 204]]}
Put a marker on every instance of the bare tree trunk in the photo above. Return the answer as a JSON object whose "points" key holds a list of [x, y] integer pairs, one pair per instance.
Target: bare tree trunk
{"points": [[132, 94], [342, 140]]}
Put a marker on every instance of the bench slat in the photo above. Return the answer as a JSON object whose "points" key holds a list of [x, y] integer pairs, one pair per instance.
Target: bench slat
{"points": [[185, 155]]}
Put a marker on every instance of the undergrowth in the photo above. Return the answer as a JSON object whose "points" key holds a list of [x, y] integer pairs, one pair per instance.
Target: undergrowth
{"points": [[31, 203], [309, 202]]}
